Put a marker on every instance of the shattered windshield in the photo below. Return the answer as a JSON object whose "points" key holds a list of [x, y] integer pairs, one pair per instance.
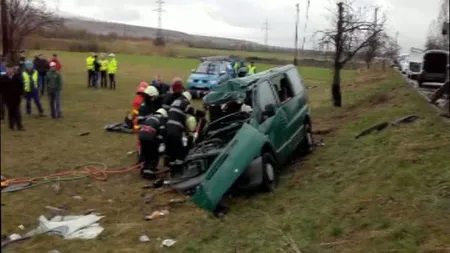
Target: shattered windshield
{"points": [[209, 68]]}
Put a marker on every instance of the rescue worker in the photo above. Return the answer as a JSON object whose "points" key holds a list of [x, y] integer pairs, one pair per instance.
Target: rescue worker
{"points": [[242, 69], [151, 135], [11, 90], [137, 101], [147, 107], [57, 62], [90, 68], [96, 73], [179, 112], [235, 67], [30, 82], [163, 88], [251, 68], [42, 67], [112, 70], [176, 90], [103, 71]]}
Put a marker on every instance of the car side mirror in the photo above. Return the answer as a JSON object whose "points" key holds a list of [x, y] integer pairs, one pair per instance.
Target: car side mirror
{"points": [[270, 110]]}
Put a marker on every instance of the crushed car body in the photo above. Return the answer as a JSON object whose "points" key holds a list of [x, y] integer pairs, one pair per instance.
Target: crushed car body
{"points": [[244, 149]]}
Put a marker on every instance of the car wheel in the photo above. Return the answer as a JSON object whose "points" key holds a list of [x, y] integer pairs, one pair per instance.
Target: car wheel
{"points": [[307, 146], [270, 173]]}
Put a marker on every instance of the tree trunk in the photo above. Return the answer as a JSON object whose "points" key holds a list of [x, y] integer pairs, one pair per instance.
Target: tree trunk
{"points": [[336, 86], [5, 35]]}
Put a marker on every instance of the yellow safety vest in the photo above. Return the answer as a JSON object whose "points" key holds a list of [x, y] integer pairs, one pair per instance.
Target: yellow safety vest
{"points": [[90, 62], [26, 81], [235, 67], [112, 66], [104, 65], [251, 70]]}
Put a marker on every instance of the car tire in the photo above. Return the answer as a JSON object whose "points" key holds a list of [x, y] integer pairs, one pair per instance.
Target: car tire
{"points": [[307, 146], [269, 172]]}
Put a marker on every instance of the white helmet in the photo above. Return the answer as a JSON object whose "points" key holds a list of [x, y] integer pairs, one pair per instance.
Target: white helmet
{"points": [[187, 95], [162, 111], [112, 55], [151, 91]]}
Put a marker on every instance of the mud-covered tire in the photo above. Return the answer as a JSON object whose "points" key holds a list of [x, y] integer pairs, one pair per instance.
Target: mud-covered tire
{"points": [[307, 145], [270, 173]]}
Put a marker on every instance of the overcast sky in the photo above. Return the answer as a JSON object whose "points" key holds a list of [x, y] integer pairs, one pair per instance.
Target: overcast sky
{"points": [[243, 19]]}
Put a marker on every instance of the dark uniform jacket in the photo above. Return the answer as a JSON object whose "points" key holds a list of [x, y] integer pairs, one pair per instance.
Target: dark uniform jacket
{"points": [[11, 89], [178, 111]]}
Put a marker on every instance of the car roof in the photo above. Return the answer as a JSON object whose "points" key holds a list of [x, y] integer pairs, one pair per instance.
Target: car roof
{"points": [[264, 75], [215, 58], [436, 51]]}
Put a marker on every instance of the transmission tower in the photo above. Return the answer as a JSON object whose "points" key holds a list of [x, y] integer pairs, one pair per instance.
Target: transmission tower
{"points": [[159, 10], [265, 28]]}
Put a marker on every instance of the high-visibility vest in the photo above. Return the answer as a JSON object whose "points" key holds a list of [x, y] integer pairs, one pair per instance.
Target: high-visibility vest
{"points": [[26, 80], [112, 66], [104, 65], [90, 62], [251, 70], [235, 67]]}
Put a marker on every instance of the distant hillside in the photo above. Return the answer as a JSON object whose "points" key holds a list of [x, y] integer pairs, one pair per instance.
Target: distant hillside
{"points": [[100, 27]]}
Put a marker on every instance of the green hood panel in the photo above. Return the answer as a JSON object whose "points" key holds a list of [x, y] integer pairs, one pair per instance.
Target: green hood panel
{"points": [[228, 91], [229, 166]]}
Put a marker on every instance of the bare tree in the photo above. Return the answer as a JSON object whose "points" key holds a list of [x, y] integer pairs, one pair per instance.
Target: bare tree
{"points": [[20, 18], [351, 32], [435, 40], [388, 47]]}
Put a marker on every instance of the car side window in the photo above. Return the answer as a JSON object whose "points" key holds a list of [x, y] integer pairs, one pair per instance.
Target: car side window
{"points": [[283, 88], [295, 81], [266, 95]]}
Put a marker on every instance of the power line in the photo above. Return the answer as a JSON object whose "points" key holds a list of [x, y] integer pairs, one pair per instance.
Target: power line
{"points": [[160, 10], [266, 34], [306, 24]]}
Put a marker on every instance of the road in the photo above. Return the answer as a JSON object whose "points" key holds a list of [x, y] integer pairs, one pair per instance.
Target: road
{"points": [[427, 91]]}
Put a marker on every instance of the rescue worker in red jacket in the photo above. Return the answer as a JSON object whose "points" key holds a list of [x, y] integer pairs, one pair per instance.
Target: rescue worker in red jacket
{"points": [[176, 90], [137, 101], [151, 135]]}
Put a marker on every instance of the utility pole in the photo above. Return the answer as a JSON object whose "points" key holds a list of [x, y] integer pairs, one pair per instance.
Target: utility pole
{"points": [[296, 35], [266, 32], [396, 38], [159, 35]]}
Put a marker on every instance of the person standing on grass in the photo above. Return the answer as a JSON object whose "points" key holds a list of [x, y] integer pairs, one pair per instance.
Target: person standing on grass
{"points": [[31, 88], [41, 65], [103, 71], [11, 90], [112, 70], [58, 65], [96, 73], [90, 68], [54, 87], [251, 68]]}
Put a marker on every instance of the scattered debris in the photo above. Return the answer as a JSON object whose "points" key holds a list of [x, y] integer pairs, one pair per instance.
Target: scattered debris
{"points": [[311, 87], [54, 251], [372, 129], [55, 209], [157, 214], [89, 211], [147, 186], [168, 243], [131, 152], [14, 237], [77, 197], [176, 201], [110, 200], [16, 187], [21, 227], [382, 126], [56, 187], [158, 183], [406, 119], [69, 227], [323, 131], [85, 133], [144, 238]]}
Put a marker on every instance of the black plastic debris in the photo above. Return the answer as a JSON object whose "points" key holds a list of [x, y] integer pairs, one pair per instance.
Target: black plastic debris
{"points": [[406, 119], [378, 128]]}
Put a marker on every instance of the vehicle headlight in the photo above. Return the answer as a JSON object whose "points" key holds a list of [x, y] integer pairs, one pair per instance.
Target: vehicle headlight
{"points": [[213, 81], [190, 80]]}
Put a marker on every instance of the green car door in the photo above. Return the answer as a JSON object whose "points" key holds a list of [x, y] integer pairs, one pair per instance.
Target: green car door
{"points": [[275, 126], [296, 107]]}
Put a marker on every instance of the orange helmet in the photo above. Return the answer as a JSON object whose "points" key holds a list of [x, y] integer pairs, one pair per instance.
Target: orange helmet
{"points": [[142, 86], [177, 84]]}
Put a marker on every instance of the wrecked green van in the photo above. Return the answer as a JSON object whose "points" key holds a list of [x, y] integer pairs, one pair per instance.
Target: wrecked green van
{"points": [[245, 150]]}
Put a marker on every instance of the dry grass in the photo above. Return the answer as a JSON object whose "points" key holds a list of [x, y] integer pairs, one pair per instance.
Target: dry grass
{"points": [[350, 196]]}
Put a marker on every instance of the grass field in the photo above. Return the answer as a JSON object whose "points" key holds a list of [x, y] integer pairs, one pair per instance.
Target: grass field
{"points": [[387, 192]]}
